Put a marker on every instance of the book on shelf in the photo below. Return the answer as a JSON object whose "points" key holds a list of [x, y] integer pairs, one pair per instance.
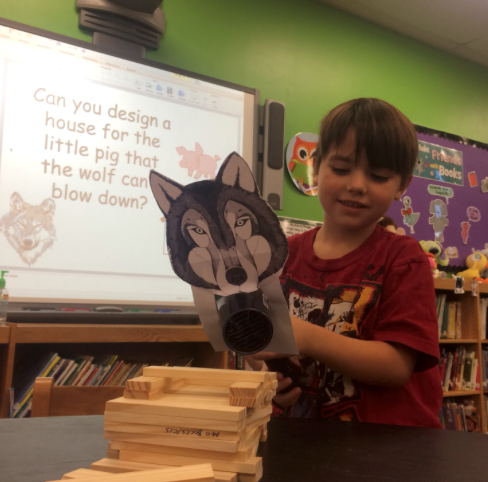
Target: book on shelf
{"points": [[459, 369], [460, 416], [484, 368], [107, 370], [27, 374], [236, 361], [449, 318], [458, 322]]}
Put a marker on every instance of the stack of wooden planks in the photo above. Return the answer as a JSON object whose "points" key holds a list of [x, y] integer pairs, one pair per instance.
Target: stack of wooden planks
{"points": [[183, 416]]}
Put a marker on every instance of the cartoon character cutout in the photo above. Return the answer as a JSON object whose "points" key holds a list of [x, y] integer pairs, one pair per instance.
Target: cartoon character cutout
{"points": [[484, 185], [299, 159], [419, 167], [29, 228], [197, 161], [439, 220], [465, 231], [409, 217], [225, 240]]}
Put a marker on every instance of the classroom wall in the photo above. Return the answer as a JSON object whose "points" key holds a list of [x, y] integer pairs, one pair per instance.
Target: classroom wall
{"points": [[308, 55]]}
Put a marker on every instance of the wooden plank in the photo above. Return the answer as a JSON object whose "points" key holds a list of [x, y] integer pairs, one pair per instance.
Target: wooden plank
{"points": [[172, 431], [272, 376], [177, 422], [144, 395], [200, 390], [251, 442], [251, 437], [246, 389], [82, 473], [256, 414], [190, 473], [250, 477], [208, 383], [112, 453], [121, 466], [270, 396], [144, 383], [260, 422], [241, 455], [230, 446], [250, 466], [205, 373], [164, 385], [174, 406]]}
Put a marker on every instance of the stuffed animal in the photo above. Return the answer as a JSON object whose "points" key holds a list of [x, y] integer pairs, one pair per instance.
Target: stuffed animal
{"points": [[437, 250], [475, 262]]}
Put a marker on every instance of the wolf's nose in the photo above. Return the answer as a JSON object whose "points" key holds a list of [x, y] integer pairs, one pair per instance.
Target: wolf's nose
{"points": [[236, 276], [27, 243]]}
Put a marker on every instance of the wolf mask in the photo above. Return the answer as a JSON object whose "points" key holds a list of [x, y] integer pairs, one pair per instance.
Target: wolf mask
{"points": [[224, 239]]}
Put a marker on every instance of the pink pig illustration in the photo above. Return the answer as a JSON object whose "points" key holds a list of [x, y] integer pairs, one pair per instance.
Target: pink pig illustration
{"points": [[198, 161]]}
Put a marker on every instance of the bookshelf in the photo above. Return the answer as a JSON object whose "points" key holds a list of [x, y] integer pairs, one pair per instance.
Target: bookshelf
{"points": [[470, 338], [4, 335], [139, 343]]}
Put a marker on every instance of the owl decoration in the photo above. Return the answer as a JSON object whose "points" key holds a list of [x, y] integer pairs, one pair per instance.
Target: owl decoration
{"points": [[299, 160]]}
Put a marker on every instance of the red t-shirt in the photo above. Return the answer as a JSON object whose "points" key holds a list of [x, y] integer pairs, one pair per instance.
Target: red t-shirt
{"points": [[384, 291]]}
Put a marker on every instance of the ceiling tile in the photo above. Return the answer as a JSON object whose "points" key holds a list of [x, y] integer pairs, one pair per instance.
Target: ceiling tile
{"points": [[449, 22]]}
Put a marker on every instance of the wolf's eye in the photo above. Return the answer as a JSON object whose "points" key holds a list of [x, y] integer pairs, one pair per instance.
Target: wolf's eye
{"points": [[242, 221], [243, 227], [199, 235]]}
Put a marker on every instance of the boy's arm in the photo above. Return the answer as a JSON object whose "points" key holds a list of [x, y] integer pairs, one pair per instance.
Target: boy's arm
{"points": [[368, 361], [374, 362]]}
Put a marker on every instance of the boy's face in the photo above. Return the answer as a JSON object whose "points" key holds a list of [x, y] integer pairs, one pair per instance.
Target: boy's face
{"points": [[353, 196]]}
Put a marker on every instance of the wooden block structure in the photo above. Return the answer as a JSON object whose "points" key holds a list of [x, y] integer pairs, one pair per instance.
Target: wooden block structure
{"points": [[185, 417]]}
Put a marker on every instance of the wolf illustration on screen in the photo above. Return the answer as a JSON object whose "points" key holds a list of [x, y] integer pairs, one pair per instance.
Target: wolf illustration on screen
{"points": [[221, 234], [29, 228]]}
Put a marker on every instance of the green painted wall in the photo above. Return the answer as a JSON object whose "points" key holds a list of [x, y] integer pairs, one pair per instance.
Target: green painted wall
{"points": [[308, 55]]}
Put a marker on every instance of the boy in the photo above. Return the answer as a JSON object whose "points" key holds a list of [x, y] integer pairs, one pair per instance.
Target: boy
{"points": [[372, 290]]}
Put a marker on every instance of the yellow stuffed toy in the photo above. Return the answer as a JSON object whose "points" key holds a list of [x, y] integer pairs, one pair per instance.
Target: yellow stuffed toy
{"points": [[476, 262]]}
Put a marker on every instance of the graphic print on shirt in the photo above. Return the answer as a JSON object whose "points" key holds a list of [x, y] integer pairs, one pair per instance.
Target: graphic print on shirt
{"points": [[341, 308]]}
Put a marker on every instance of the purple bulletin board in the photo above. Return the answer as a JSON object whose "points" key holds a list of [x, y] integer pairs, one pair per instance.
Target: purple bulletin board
{"points": [[447, 199]]}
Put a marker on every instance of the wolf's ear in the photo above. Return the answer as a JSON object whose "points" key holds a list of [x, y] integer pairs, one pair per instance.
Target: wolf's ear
{"points": [[235, 172], [165, 190], [16, 203], [48, 206]]}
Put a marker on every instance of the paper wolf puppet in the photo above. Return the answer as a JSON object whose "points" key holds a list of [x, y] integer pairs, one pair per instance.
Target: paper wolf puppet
{"points": [[226, 242]]}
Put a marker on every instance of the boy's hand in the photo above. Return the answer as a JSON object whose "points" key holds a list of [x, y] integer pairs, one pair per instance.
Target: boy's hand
{"points": [[283, 399], [286, 399]]}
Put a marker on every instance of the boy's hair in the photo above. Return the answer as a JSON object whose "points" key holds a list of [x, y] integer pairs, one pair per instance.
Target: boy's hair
{"points": [[386, 135]]}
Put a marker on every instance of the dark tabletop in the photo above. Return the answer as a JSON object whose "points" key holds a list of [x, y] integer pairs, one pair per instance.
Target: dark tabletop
{"points": [[41, 449]]}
